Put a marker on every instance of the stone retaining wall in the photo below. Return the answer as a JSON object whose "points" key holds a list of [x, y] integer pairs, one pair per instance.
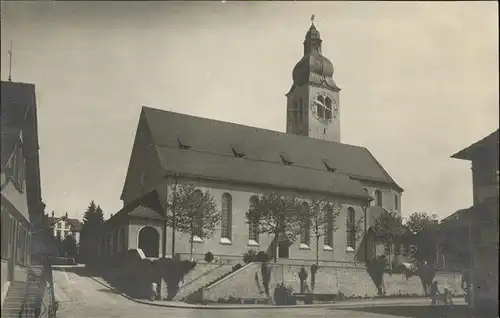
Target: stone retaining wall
{"points": [[352, 282]]}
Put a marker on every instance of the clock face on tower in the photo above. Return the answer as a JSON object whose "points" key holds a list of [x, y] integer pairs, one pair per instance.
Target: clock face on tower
{"points": [[324, 107]]}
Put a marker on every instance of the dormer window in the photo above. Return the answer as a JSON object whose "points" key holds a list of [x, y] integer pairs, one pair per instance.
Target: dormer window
{"points": [[237, 152], [285, 159], [329, 167], [182, 145]]}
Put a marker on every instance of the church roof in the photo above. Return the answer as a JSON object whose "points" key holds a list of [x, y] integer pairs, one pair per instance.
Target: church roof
{"points": [[211, 149]]}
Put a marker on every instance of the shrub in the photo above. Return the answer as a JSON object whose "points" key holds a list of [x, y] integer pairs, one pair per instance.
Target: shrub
{"points": [[284, 295], [261, 257], [375, 268], [236, 267], [302, 277], [173, 271], [249, 256], [314, 270], [209, 257]]}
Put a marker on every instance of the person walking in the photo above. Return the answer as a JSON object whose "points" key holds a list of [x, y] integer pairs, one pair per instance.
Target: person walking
{"points": [[434, 293], [154, 291]]}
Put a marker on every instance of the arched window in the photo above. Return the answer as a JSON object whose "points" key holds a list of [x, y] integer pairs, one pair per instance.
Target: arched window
{"points": [[226, 216], [378, 198], [253, 223], [328, 108], [198, 214], [305, 236], [321, 110], [328, 227], [351, 228], [396, 202], [149, 241]]}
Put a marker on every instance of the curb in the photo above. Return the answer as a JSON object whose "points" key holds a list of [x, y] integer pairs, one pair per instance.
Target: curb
{"points": [[415, 302]]}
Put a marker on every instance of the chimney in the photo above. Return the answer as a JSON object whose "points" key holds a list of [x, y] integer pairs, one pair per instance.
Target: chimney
{"points": [[52, 213], [66, 215]]}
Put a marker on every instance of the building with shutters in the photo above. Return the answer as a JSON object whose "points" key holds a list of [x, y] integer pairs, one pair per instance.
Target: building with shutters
{"points": [[24, 238]]}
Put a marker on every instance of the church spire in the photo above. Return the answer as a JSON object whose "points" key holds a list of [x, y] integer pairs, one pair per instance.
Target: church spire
{"points": [[312, 43]]}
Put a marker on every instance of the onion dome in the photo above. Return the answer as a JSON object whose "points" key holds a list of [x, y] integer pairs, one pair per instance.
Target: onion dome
{"points": [[314, 68]]}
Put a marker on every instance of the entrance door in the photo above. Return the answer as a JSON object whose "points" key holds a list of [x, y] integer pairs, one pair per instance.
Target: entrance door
{"points": [[283, 250]]}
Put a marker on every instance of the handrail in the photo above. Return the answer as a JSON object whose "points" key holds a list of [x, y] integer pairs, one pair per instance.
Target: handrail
{"points": [[231, 274], [205, 274]]}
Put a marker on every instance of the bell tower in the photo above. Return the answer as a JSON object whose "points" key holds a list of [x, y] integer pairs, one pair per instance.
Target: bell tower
{"points": [[313, 100]]}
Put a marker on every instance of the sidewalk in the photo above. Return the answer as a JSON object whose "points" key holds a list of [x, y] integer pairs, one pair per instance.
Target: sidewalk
{"points": [[347, 304]]}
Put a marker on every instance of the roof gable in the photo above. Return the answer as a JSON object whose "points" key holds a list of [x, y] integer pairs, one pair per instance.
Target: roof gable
{"points": [[217, 138], [16, 100], [147, 206], [490, 142], [77, 225], [143, 162]]}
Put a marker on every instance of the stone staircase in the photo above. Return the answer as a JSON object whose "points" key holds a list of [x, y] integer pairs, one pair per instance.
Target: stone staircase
{"points": [[206, 279], [20, 300]]}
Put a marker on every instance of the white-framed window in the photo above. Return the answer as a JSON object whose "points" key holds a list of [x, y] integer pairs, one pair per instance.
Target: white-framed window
{"points": [[20, 245], [351, 228], [28, 248], [305, 234], [12, 237], [5, 233], [328, 228], [378, 198], [226, 217], [253, 225]]}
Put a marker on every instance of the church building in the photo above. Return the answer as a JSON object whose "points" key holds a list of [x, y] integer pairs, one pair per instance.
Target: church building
{"points": [[236, 162]]}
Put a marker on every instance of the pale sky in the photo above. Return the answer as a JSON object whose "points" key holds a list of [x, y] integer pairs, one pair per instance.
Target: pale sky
{"points": [[419, 82]]}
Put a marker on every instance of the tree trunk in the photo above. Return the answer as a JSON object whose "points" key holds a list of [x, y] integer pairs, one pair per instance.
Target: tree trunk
{"points": [[173, 236], [275, 247], [390, 255], [317, 249], [191, 246]]}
